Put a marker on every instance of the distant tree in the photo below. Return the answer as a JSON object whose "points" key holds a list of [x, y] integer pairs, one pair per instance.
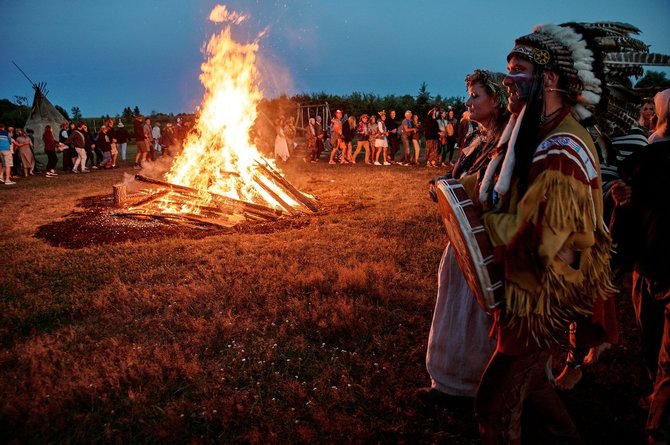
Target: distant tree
{"points": [[127, 114], [457, 103], [136, 111], [62, 111], [438, 100], [76, 113], [422, 100], [21, 101], [12, 114], [655, 80], [398, 103], [23, 110]]}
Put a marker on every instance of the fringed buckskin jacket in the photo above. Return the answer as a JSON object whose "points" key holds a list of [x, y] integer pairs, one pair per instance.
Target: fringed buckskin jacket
{"points": [[552, 241]]}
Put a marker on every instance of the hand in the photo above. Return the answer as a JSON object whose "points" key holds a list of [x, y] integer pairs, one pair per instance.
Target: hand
{"points": [[432, 192], [622, 193]]}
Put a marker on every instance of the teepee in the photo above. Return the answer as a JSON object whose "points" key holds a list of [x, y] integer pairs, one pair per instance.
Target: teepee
{"points": [[43, 113]]}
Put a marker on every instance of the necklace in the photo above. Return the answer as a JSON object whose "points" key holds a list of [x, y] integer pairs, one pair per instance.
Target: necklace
{"points": [[548, 117]]}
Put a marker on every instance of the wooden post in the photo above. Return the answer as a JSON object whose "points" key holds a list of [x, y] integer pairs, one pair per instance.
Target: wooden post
{"points": [[120, 195]]}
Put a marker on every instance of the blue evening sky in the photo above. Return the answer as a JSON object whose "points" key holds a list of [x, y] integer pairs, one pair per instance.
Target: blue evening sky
{"points": [[104, 56]]}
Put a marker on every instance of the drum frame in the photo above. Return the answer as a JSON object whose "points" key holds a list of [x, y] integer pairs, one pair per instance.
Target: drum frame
{"points": [[471, 243]]}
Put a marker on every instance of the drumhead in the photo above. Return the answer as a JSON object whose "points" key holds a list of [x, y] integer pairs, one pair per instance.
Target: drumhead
{"points": [[463, 224]]}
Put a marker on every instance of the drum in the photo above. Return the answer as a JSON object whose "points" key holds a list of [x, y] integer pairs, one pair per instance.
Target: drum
{"points": [[471, 243]]}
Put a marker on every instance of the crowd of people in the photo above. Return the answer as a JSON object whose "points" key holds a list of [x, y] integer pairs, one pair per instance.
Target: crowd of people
{"points": [[384, 138], [82, 150]]}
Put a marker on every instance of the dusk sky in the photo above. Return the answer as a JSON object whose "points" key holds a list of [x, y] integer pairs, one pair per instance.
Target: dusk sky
{"points": [[104, 56]]}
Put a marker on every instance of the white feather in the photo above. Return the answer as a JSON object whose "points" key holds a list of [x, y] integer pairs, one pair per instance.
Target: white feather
{"points": [[505, 178], [580, 112]]}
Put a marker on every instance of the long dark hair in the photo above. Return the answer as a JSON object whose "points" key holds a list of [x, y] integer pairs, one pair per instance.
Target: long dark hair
{"points": [[526, 140]]}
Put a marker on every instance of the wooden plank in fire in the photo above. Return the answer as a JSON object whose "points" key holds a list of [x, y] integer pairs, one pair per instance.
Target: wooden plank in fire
{"points": [[258, 180], [297, 194], [244, 205], [151, 198], [187, 199]]}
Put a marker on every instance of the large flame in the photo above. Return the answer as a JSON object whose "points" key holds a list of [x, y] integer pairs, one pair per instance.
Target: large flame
{"points": [[218, 156]]}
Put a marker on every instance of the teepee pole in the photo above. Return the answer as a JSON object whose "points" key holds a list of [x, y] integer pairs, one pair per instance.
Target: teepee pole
{"points": [[26, 76]]}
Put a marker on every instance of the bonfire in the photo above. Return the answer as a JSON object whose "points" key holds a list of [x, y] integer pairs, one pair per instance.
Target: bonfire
{"points": [[220, 177]]}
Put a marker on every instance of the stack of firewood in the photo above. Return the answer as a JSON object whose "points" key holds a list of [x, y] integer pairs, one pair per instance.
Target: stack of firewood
{"points": [[202, 206]]}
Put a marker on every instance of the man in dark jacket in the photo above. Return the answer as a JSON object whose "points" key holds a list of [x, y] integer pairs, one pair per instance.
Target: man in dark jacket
{"points": [[122, 139], [432, 132], [640, 228]]}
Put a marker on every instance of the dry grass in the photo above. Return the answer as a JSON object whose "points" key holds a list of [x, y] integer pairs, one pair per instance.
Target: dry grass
{"points": [[309, 333]]}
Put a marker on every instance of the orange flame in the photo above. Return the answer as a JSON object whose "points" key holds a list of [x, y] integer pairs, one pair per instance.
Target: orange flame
{"points": [[220, 144]]}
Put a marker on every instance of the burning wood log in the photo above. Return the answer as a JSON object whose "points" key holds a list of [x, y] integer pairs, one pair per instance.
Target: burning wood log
{"points": [[151, 198], [120, 195], [258, 180], [273, 174], [267, 212]]}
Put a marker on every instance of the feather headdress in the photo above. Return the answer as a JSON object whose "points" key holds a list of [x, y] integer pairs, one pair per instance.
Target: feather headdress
{"points": [[596, 61]]}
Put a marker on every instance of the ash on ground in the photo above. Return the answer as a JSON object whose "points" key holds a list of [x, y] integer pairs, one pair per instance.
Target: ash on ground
{"points": [[98, 222]]}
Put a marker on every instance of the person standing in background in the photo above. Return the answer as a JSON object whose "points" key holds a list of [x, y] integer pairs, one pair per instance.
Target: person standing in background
{"points": [[141, 142], [392, 124], [67, 153], [407, 130], [89, 146], [310, 135], [452, 135], [156, 137], [348, 130], [416, 138], [281, 147], [319, 137], [362, 134], [77, 140], [24, 147], [122, 139], [648, 117], [148, 137], [289, 133], [6, 156], [432, 133], [50, 147]]}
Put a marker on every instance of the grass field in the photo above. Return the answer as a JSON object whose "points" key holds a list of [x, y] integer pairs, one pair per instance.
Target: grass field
{"points": [[311, 331]]}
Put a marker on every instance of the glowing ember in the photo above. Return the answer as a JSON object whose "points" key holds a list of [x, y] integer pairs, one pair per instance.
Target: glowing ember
{"points": [[218, 156]]}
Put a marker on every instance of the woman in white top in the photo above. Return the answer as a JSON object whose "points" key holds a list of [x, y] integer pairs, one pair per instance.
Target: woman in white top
{"points": [[381, 142], [281, 146]]}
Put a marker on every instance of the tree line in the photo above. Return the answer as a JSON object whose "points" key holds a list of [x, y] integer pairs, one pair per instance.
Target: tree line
{"points": [[15, 113]]}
